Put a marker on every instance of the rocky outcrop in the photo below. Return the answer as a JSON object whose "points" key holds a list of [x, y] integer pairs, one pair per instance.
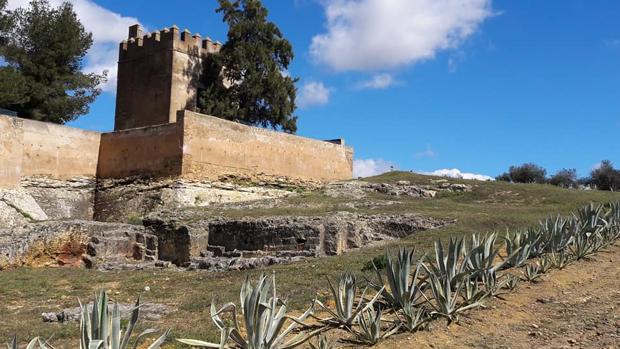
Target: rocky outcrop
{"points": [[42, 198], [75, 243], [181, 242], [359, 189], [72, 198], [122, 200]]}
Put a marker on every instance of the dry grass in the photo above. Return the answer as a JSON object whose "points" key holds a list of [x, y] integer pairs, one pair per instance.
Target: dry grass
{"points": [[27, 292]]}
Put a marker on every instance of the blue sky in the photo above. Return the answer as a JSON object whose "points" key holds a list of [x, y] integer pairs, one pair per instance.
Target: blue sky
{"points": [[475, 85]]}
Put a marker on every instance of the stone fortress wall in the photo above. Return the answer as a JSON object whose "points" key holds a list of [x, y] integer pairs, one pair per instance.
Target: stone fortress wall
{"points": [[161, 155], [196, 147], [32, 148]]}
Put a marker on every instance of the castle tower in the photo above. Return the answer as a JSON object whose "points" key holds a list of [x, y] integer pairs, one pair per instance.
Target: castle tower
{"points": [[158, 75]]}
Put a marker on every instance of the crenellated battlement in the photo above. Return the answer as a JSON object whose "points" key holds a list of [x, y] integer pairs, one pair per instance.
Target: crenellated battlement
{"points": [[139, 45], [159, 73]]}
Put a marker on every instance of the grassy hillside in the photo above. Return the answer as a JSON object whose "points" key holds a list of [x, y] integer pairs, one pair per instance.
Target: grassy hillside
{"points": [[26, 293]]}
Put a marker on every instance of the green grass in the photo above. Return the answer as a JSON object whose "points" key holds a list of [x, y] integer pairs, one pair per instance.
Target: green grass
{"points": [[25, 293]]}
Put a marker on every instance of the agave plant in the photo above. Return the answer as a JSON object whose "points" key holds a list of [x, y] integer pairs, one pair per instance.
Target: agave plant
{"points": [[517, 248], [347, 312], [544, 264], [584, 244], [472, 292], [264, 316], [560, 259], [33, 344], [370, 324], [403, 287], [492, 283], [448, 263], [322, 343], [101, 328], [414, 317], [590, 218], [445, 301], [555, 234], [532, 272], [511, 282], [482, 254]]}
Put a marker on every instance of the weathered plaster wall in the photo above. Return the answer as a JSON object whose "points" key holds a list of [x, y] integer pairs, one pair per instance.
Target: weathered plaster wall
{"points": [[31, 148], [213, 147], [58, 151], [149, 151], [11, 148], [52, 166]]}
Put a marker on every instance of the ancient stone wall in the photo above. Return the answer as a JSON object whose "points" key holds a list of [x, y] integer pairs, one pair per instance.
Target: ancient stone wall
{"points": [[154, 151], [31, 148], [213, 147]]}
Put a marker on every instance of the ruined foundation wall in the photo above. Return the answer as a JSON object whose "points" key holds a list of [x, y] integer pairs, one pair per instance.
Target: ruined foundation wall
{"points": [[214, 147]]}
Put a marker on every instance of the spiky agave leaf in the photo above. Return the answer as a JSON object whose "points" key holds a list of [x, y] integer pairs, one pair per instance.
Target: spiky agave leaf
{"points": [[413, 317], [347, 305], [511, 282], [402, 286], [560, 259], [532, 272], [370, 324], [35, 343], [545, 263], [448, 262], [445, 296], [322, 343], [264, 317], [481, 255], [101, 327]]}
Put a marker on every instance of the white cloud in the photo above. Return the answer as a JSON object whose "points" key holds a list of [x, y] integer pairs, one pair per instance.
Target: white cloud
{"points": [[368, 35], [379, 82], [428, 153], [371, 167], [313, 94], [108, 29], [456, 173]]}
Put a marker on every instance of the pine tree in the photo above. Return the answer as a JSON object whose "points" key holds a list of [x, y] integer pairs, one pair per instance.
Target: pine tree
{"points": [[246, 81], [44, 50]]}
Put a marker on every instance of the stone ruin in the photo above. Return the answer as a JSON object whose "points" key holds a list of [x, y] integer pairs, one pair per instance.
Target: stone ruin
{"points": [[67, 195]]}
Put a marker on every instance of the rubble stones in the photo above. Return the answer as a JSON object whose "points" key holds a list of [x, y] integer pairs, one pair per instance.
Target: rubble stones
{"points": [[148, 312], [359, 189]]}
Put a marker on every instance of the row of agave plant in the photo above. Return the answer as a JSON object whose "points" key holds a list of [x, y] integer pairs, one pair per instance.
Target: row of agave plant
{"points": [[411, 292]]}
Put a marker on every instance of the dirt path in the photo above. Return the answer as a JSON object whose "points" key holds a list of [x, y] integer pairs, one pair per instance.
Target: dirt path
{"points": [[578, 307]]}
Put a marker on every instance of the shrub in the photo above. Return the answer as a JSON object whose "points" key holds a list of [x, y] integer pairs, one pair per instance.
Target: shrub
{"points": [[565, 178], [526, 173], [605, 177]]}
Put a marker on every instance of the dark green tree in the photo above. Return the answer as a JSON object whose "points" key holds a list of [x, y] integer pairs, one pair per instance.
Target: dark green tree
{"points": [[245, 82], [5, 22], [605, 177], [526, 173], [44, 50], [565, 178]]}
